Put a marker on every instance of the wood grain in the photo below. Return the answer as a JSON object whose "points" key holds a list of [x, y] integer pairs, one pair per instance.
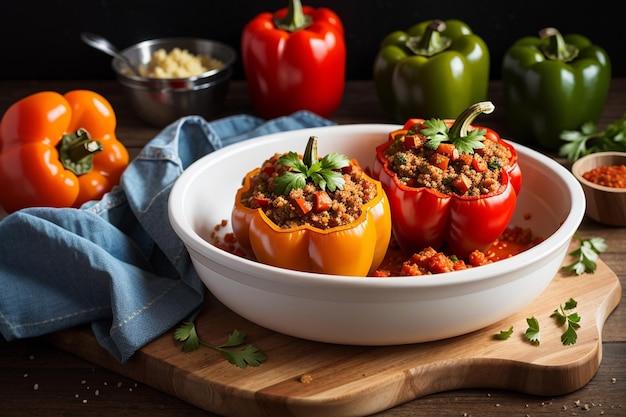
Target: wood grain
{"points": [[357, 380]]}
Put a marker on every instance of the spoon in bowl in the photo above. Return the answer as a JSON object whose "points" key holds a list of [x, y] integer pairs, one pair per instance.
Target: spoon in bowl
{"points": [[104, 45]]}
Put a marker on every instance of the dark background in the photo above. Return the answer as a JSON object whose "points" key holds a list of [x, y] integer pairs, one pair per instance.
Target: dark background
{"points": [[40, 39]]}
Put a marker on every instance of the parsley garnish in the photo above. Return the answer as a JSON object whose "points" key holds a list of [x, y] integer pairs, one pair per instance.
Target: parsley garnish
{"points": [[494, 165], [504, 334], [310, 168], [464, 139], [437, 132], [250, 355], [532, 333], [562, 315], [571, 319], [586, 255], [588, 139]]}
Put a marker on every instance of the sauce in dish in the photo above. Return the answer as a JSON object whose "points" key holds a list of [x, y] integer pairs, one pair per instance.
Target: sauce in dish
{"points": [[513, 241]]}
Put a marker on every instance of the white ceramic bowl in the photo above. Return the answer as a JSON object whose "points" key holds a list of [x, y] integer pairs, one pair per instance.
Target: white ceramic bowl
{"points": [[370, 311]]}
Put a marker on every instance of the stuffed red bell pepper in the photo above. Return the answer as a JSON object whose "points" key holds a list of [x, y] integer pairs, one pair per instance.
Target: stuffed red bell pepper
{"points": [[451, 185], [294, 59]]}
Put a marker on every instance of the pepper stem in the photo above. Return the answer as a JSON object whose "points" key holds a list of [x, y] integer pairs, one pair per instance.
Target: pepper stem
{"points": [[310, 153], [76, 151], [557, 49], [431, 42], [295, 18], [465, 119]]}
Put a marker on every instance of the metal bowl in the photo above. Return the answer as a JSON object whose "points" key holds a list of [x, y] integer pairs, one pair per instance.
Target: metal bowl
{"points": [[161, 101]]}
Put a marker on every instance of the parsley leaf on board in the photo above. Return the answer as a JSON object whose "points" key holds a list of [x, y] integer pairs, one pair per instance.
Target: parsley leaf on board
{"points": [[250, 355], [504, 334], [532, 333], [564, 316], [586, 255], [187, 333]]}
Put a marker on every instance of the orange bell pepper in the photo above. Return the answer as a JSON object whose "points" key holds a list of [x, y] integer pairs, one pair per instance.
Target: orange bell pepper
{"points": [[58, 150], [354, 249]]}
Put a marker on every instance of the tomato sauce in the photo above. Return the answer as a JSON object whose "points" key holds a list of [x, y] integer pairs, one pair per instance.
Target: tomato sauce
{"points": [[513, 241], [607, 175]]}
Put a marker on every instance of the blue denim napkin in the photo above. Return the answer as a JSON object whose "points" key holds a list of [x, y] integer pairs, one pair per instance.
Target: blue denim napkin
{"points": [[116, 263]]}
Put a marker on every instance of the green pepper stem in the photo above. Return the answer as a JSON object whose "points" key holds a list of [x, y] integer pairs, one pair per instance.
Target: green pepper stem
{"points": [[295, 18], [557, 49], [310, 153], [431, 42], [465, 119], [76, 151]]}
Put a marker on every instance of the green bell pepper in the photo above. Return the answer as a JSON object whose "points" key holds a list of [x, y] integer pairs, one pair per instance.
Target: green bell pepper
{"points": [[553, 83], [434, 69]]}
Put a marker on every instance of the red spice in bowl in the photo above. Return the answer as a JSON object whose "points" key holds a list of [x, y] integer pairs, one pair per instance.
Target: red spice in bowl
{"points": [[607, 175], [603, 179]]}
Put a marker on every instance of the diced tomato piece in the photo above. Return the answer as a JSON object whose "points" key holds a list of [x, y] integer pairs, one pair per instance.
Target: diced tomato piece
{"points": [[353, 168], [323, 201], [414, 141], [381, 273], [411, 182], [465, 158], [439, 160], [449, 150], [410, 270], [479, 163], [414, 125], [268, 169], [461, 183], [262, 202], [301, 206], [440, 263]]}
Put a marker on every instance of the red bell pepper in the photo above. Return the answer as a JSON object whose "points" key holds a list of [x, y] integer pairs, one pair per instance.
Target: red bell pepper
{"points": [[294, 59], [458, 223]]}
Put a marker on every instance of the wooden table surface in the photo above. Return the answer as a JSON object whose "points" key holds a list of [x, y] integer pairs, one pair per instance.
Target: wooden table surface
{"points": [[38, 379]]}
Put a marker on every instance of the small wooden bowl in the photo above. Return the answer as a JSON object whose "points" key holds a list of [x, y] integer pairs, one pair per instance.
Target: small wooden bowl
{"points": [[606, 205]]}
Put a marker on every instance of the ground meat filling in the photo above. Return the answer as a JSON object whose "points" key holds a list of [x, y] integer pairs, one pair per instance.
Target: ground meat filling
{"points": [[345, 204], [414, 167]]}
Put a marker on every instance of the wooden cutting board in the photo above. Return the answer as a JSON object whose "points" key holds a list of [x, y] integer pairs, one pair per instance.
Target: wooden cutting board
{"points": [[357, 380]]}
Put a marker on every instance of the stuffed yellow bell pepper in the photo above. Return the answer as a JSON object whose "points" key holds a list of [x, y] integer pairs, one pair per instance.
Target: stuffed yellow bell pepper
{"points": [[313, 214]]}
